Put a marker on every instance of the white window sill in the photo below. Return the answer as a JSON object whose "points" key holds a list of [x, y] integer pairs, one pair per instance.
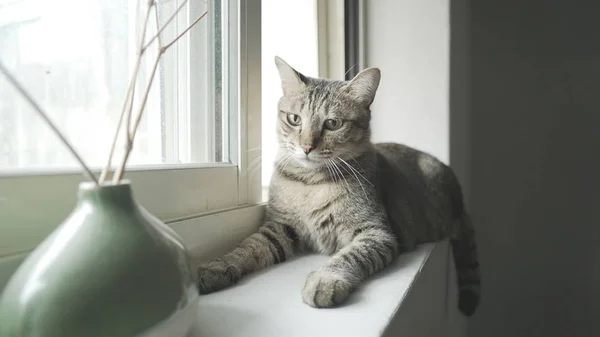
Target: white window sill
{"points": [[409, 298], [415, 296]]}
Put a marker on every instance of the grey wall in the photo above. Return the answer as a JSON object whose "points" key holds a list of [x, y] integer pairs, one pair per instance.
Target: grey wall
{"points": [[525, 138]]}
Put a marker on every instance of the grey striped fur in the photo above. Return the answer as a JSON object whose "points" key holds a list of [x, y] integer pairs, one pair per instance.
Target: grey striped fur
{"points": [[361, 203]]}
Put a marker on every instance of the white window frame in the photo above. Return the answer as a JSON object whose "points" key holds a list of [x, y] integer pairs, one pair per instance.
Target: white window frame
{"points": [[32, 204], [331, 38]]}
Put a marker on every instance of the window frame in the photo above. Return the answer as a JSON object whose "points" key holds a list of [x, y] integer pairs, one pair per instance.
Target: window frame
{"points": [[331, 44], [32, 204]]}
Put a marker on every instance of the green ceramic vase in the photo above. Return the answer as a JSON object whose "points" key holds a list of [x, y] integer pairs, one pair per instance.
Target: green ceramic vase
{"points": [[110, 269]]}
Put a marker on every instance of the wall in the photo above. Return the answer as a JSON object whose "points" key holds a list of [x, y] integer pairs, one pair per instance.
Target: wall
{"points": [[524, 131], [409, 41], [531, 152]]}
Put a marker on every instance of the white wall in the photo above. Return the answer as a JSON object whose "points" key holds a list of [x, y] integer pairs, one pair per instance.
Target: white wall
{"points": [[409, 41]]}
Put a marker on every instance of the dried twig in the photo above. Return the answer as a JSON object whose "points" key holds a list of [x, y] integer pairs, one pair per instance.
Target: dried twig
{"points": [[45, 117], [161, 50], [131, 135], [128, 97], [151, 3], [160, 30]]}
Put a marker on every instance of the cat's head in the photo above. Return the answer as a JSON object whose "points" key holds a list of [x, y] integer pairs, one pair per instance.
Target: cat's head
{"points": [[322, 120]]}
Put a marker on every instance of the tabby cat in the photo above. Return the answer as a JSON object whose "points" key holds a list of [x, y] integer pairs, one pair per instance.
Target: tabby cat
{"points": [[335, 192]]}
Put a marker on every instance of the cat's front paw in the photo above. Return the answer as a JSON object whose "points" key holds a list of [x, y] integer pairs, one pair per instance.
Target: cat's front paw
{"points": [[216, 275], [325, 289]]}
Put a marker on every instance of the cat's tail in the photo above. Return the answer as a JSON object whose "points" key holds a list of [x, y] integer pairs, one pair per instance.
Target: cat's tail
{"points": [[464, 250]]}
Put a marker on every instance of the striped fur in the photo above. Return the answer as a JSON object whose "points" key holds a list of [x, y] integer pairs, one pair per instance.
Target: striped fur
{"points": [[361, 203]]}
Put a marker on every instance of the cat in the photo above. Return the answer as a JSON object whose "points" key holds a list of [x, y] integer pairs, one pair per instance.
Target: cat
{"points": [[335, 192]]}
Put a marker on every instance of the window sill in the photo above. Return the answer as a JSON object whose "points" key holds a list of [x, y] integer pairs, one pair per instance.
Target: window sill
{"points": [[415, 296], [409, 298]]}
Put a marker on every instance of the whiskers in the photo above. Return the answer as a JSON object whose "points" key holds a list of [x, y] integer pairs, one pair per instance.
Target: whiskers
{"points": [[337, 173], [254, 166], [355, 172], [342, 168], [335, 165], [282, 162], [283, 158]]}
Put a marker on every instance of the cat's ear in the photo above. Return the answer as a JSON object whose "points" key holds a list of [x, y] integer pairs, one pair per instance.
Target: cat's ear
{"points": [[291, 80], [363, 86]]}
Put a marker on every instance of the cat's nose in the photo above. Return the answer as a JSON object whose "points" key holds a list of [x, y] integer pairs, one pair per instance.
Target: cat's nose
{"points": [[307, 149]]}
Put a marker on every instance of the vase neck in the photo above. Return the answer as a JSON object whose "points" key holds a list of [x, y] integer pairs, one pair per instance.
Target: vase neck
{"points": [[120, 194]]}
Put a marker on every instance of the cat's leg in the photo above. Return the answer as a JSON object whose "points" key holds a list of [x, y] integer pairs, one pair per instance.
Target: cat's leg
{"points": [[273, 243], [369, 251]]}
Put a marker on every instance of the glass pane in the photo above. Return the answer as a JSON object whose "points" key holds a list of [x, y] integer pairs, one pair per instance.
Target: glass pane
{"points": [[76, 57]]}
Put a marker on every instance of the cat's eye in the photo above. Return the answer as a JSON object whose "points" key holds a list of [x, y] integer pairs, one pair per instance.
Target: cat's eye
{"points": [[333, 124], [294, 119]]}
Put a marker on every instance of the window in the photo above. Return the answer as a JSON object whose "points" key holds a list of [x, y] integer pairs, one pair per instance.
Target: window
{"points": [[199, 146], [191, 152], [77, 75]]}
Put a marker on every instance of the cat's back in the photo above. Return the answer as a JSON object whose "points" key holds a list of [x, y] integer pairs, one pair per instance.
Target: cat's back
{"points": [[411, 162], [418, 191], [417, 171]]}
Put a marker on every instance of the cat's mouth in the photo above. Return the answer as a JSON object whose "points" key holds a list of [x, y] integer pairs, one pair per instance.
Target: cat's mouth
{"points": [[309, 161]]}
